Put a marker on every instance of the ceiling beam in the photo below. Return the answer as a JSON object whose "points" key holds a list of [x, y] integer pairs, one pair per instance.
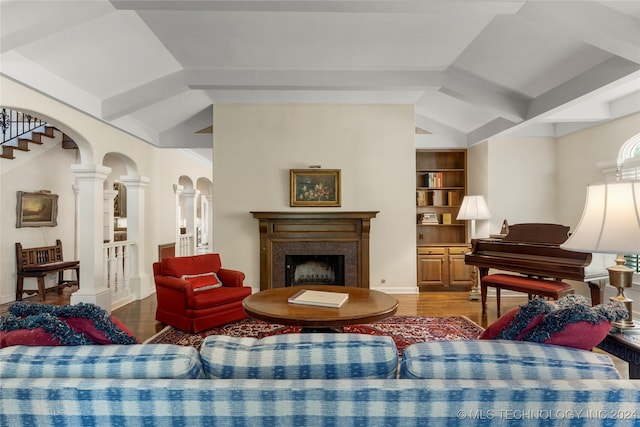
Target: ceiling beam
{"points": [[591, 22], [572, 91], [488, 130], [312, 79], [345, 6], [142, 96], [479, 92]]}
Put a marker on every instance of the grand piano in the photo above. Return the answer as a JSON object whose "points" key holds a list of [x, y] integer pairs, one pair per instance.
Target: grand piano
{"points": [[533, 250]]}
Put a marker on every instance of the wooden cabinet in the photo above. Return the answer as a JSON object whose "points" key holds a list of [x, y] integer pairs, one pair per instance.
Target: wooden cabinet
{"points": [[432, 266], [441, 180], [459, 272], [441, 267]]}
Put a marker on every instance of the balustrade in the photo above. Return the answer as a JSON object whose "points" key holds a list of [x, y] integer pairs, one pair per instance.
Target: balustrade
{"points": [[185, 245], [15, 123], [116, 256]]}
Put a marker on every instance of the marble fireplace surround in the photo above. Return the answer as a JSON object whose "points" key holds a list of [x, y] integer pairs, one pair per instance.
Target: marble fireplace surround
{"points": [[314, 233]]}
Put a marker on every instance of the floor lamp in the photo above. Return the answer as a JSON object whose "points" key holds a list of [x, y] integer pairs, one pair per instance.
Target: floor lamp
{"points": [[611, 224], [473, 208]]}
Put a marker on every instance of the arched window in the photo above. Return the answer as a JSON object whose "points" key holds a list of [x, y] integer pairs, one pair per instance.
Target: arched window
{"points": [[629, 150]]}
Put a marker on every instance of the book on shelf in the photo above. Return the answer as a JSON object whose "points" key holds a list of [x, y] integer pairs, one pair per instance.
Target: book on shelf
{"points": [[446, 218], [453, 198], [436, 198], [429, 218], [433, 179], [319, 298], [421, 198]]}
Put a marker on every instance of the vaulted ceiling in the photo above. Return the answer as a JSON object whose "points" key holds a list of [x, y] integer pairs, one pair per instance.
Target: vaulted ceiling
{"points": [[473, 69]]}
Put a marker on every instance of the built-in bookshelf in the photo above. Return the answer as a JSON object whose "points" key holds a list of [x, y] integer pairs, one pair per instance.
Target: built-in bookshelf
{"points": [[441, 180], [441, 177]]}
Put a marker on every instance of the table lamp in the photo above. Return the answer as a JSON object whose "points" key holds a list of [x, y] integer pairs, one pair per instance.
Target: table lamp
{"points": [[610, 223], [473, 208]]}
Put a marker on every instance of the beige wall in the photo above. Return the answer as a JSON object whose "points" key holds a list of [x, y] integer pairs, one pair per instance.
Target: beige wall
{"points": [[522, 180], [373, 145], [578, 155]]}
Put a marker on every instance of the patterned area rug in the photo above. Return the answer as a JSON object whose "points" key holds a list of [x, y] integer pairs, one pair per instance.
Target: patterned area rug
{"points": [[404, 330]]}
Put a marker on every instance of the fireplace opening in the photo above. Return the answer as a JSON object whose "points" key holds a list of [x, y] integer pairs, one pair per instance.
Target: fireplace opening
{"points": [[314, 270]]}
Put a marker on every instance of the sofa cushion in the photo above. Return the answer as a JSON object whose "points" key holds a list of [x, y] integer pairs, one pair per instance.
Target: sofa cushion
{"points": [[300, 356], [219, 296], [150, 361], [570, 322], [196, 264], [503, 360]]}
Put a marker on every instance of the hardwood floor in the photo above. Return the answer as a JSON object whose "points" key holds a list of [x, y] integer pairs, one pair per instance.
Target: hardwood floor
{"points": [[139, 316]]}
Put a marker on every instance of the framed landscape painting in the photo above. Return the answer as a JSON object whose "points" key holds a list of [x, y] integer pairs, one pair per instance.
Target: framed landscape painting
{"points": [[315, 187], [36, 209]]}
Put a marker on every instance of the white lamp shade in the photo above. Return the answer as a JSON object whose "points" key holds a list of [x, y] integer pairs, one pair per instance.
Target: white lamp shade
{"points": [[474, 207], [611, 220]]}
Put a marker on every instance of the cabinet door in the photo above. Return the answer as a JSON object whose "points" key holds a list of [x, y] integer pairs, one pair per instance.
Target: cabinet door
{"points": [[431, 270], [459, 272]]}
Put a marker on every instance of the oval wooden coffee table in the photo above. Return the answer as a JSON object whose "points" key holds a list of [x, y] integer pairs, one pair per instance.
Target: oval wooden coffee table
{"points": [[363, 306]]}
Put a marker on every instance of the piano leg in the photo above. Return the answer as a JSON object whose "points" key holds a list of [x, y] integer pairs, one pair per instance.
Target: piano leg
{"points": [[474, 295], [483, 288], [597, 290]]}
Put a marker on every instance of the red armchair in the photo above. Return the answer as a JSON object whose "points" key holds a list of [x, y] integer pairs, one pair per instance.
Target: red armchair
{"points": [[195, 294]]}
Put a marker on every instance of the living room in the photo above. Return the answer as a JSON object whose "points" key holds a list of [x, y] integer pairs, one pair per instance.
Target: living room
{"points": [[542, 95]]}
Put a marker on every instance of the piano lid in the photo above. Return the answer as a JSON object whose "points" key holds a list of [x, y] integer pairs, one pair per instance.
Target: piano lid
{"points": [[537, 233]]}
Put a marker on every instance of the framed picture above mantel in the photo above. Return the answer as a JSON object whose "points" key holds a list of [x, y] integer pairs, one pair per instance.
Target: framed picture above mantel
{"points": [[36, 209], [315, 187]]}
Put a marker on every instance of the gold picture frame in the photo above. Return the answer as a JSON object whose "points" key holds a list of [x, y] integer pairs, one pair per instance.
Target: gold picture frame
{"points": [[36, 209], [315, 187]]}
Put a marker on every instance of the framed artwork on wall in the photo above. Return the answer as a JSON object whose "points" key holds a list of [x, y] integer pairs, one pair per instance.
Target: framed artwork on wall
{"points": [[315, 187], [38, 209]]}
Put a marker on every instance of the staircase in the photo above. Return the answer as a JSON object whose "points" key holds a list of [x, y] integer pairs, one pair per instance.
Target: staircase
{"points": [[17, 126]]}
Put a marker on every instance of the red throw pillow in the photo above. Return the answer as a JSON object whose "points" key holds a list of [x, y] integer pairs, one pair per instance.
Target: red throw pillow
{"points": [[505, 321], [47, 325], [568, 322], [203, 282]]}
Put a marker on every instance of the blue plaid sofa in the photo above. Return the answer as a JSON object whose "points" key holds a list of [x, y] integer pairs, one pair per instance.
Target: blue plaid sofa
{"points": [[314, 380]]}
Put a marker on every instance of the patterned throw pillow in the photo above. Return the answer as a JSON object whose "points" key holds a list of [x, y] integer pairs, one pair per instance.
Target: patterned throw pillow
{"points": [[48, 325], [568, 322]]}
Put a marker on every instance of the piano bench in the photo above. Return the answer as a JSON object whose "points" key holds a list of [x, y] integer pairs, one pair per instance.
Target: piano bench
{"points": [[542, 287]]}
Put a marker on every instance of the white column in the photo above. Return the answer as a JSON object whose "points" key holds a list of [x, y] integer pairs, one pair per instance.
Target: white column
{"points": [[209, 221], [190, 212], [109, 196], [139, 281], [76, 200], [177, 191], [89, 181]]}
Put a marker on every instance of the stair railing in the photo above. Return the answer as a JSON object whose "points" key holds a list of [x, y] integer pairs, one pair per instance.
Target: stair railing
{"points": [[16, 123]]}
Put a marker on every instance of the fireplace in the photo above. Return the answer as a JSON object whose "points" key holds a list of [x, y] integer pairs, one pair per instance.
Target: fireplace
{"points": [[314, 270], [332, 245]]}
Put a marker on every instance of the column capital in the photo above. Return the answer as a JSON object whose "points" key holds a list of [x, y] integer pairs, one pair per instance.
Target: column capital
{"points": [[135, 181], [191, 193], [90, 171]]}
